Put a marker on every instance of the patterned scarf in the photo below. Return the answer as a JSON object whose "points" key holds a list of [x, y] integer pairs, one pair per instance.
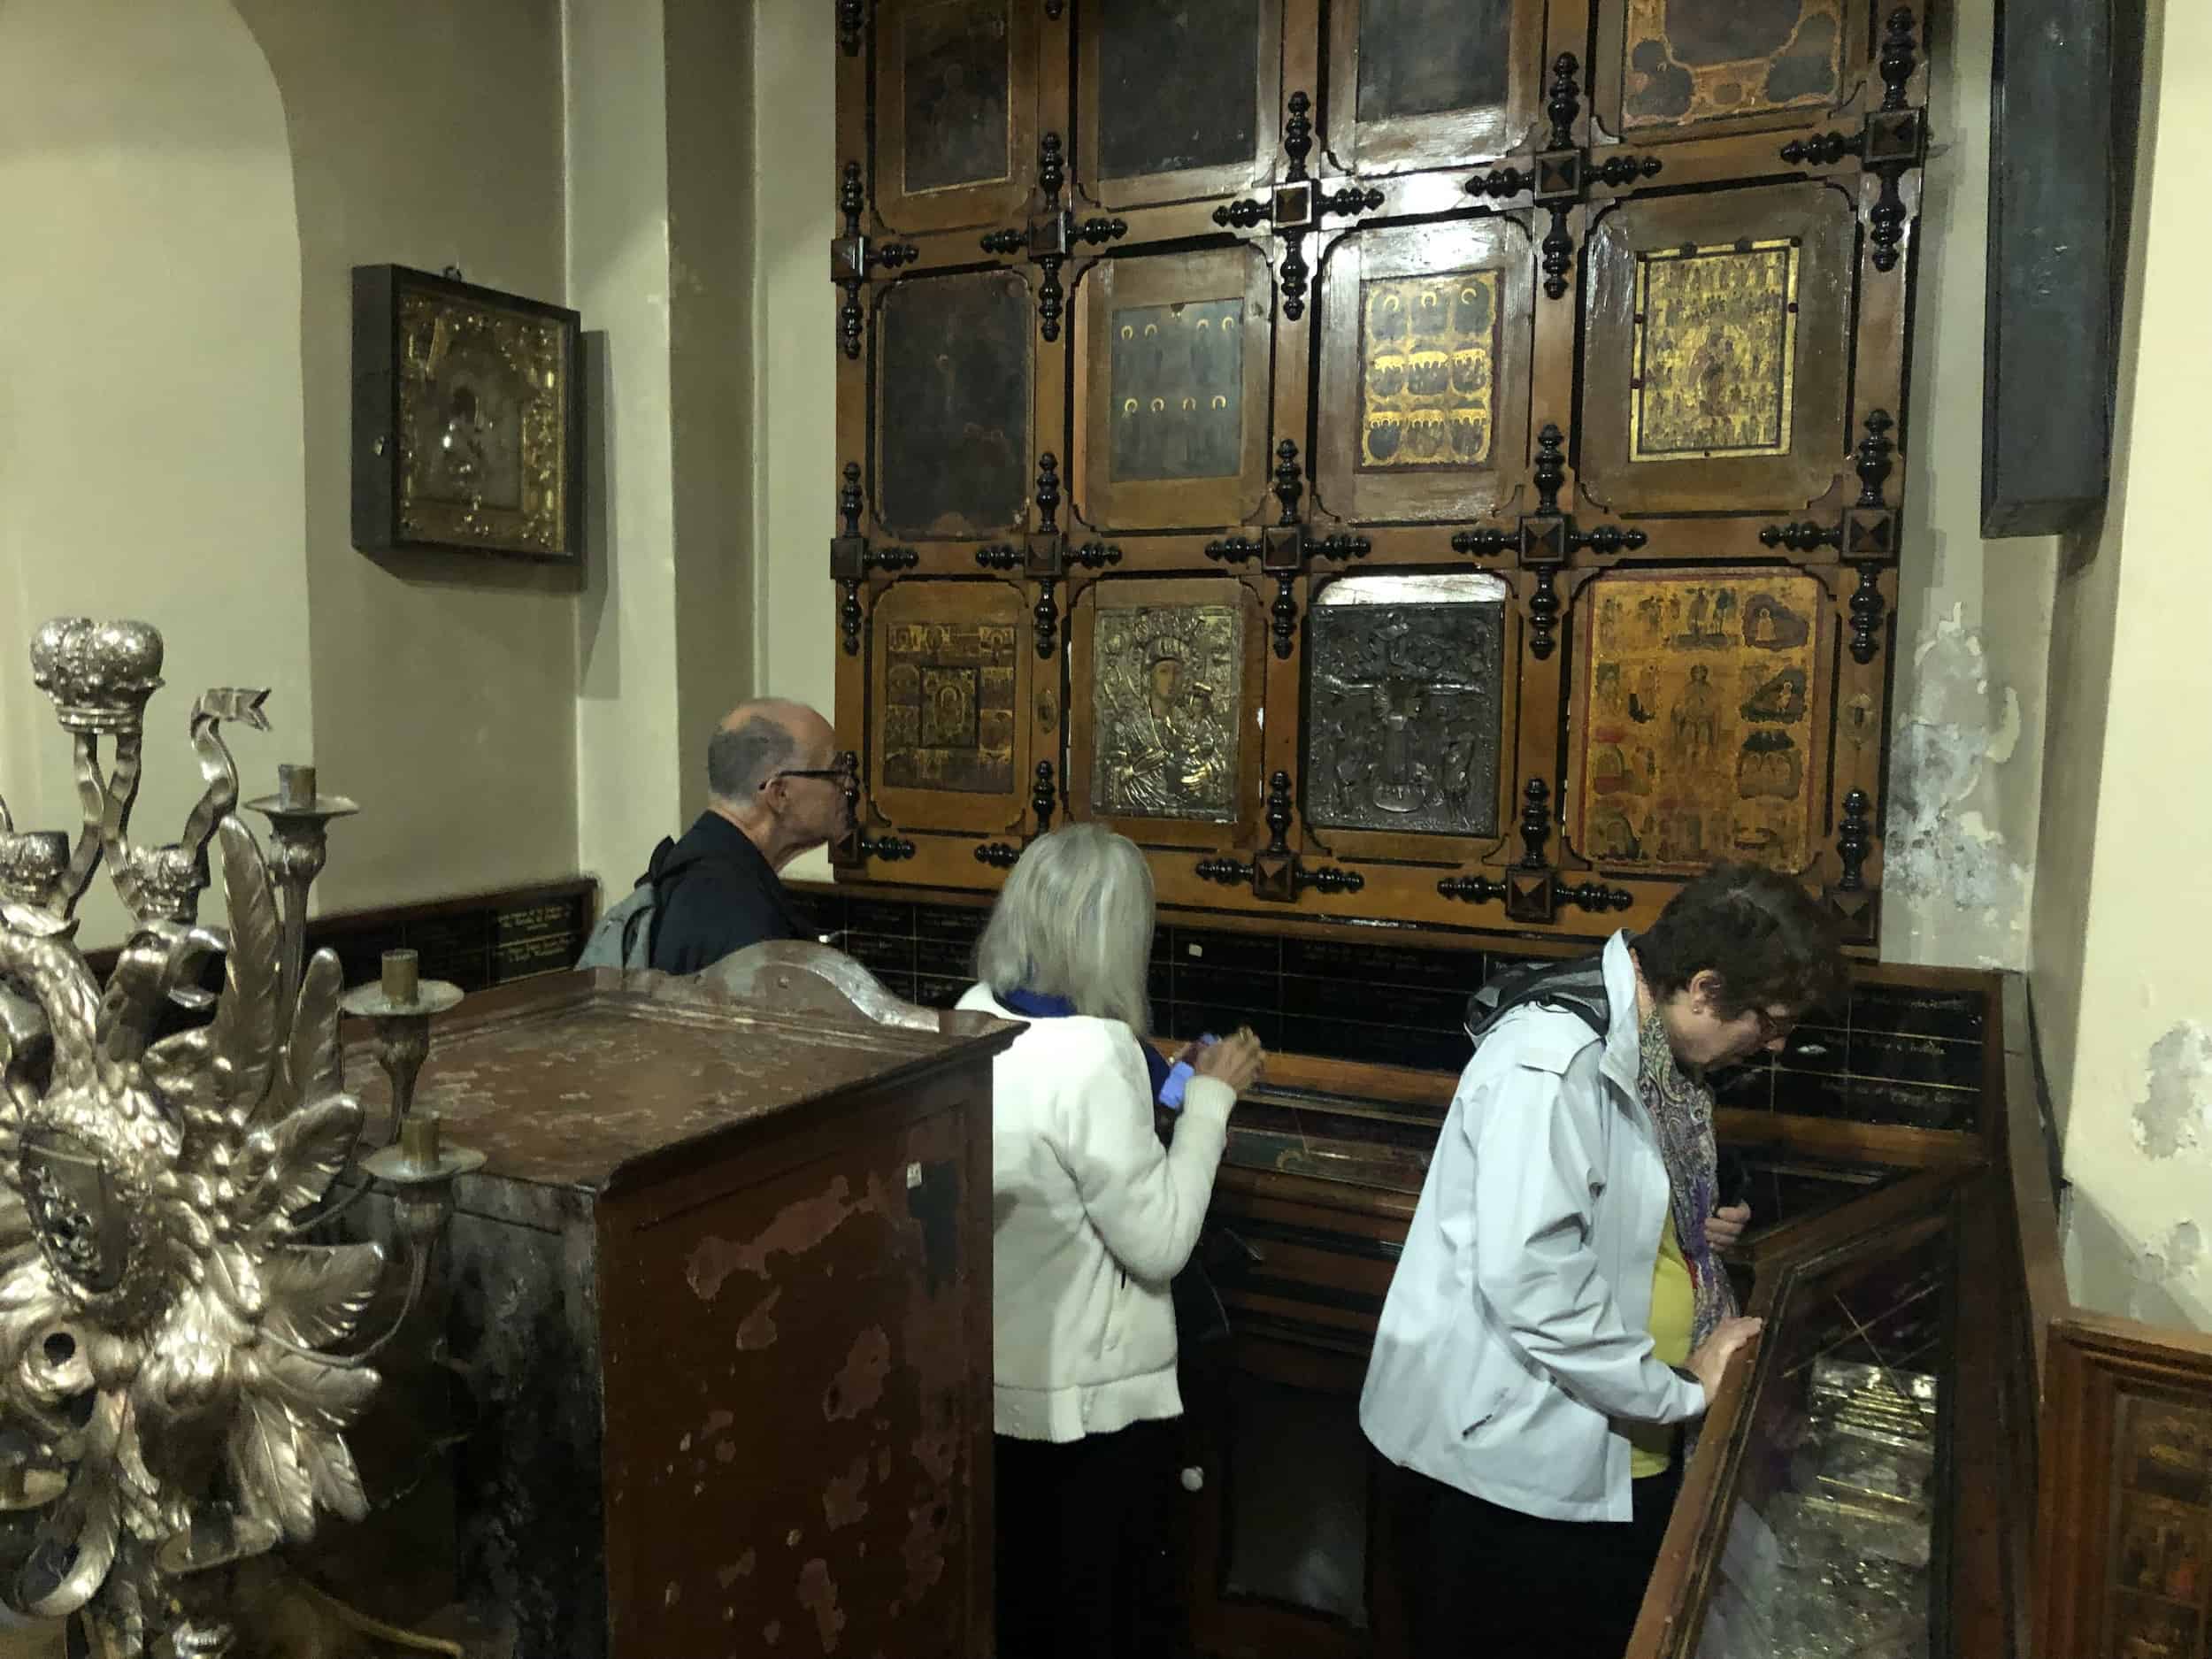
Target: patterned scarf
{"points": [[1681, 1109]]}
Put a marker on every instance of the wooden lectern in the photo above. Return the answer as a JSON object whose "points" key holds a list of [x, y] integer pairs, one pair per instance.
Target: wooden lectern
{"points": [[721, 1295]]}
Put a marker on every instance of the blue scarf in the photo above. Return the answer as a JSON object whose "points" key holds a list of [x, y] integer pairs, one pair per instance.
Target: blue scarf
{"points": [[1034, 1005]]}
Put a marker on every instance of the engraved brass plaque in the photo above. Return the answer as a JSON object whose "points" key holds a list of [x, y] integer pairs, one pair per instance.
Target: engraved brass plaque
{"points": [[1167, 704], [948, 706], [1716, 350], [1177, 374], [1707, 60], [1405, 706], [956, 75], [1697, 700], [1428, 355]]}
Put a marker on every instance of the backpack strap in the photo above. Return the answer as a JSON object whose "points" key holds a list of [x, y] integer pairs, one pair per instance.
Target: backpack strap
{"points": [[660, 871]]}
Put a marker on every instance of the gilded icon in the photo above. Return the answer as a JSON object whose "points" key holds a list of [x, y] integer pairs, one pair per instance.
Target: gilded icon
{"points": [[1405, 705], [2169, 1452], [1698, 724], [1714, 345], [1166, 707], [467, 414], [948, 706], [1707, 62], [1177, 375], [1428, 359]]}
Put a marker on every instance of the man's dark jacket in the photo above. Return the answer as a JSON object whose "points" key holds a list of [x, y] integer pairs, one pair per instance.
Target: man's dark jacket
{"points": [[717, 895]]}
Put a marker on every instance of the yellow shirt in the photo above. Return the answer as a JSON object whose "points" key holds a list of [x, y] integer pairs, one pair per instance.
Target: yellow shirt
{"points": [[1673, 1311]]}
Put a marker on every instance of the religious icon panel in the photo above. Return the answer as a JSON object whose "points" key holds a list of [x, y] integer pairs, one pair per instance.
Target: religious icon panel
{"points": [[1718, 352], [1688, 68], [1405, 705], [957, 132], [1425, 388], [953, 391], [1169, 679], [1699, 718], [2159, 1572], [951, 679], [1172, 417], [1431, 84], [1176, 101]]}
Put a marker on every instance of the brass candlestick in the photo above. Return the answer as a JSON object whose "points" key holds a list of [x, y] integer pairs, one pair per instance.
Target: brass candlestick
{"points": [[401, 1004], [299, 819], [422, 1169]]}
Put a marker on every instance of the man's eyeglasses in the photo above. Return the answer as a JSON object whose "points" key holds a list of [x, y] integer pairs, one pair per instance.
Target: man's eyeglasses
{"points": [[844, 771]]}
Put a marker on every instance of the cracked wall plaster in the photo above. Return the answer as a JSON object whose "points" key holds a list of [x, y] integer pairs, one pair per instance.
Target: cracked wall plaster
{"points": [[2177, 1101]]}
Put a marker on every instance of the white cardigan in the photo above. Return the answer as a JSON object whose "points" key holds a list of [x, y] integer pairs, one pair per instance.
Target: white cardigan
{"points": [[1091, 1218]]}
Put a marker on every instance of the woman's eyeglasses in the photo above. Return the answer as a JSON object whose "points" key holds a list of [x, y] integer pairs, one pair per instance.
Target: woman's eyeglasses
{"points": [[1773, 1028]]}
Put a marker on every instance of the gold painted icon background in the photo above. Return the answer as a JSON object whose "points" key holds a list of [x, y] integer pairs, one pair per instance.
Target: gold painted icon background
{"points": [[1715, 348], [483, 425], [1167, 705], [1428, 356], [1697, 699], [949, 713]]}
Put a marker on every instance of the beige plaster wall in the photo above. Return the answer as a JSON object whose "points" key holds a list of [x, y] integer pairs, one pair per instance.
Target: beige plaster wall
{"points": [[150, 450], [1973, 623], [712, 146], [627, 720], [2126, 1000], [427, 135], [794, 459]]}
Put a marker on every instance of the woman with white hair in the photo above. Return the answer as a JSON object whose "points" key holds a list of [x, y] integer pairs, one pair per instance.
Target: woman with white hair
{"points": [[1093, 1217]]}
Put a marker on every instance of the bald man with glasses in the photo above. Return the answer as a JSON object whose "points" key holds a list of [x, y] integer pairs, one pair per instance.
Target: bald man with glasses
{"points": [[776, 788]]}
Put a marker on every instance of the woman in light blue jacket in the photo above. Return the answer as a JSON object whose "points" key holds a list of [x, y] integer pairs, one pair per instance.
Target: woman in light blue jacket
{"points": [[1560, 1309]]}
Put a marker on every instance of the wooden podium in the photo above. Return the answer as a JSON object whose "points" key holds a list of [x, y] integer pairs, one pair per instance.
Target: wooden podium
{"points": [[721, 1297]]}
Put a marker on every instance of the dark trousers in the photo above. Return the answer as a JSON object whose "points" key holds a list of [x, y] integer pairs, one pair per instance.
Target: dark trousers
{"points": [[1075, 1524], [1480, 1578]]}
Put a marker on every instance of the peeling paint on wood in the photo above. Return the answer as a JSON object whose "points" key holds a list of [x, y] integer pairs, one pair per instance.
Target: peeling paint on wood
{"points": [[860, 1385], [818, 1594]]}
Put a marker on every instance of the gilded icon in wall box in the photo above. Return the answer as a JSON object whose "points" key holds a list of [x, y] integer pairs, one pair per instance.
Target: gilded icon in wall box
{"points": [[1428, 355], [948, 706], [2160, 1532], [1707, 62], [1714, 345], [1166, 707], [1177, 377], [1696, 718], [467, 419], [1405, 705]]}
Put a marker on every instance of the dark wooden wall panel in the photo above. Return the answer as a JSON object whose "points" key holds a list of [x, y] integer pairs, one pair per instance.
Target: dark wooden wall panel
{"points": [[1560, 295]]}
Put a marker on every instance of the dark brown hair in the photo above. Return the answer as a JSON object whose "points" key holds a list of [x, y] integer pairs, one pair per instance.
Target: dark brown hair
{"points": [[1767, 939]]}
